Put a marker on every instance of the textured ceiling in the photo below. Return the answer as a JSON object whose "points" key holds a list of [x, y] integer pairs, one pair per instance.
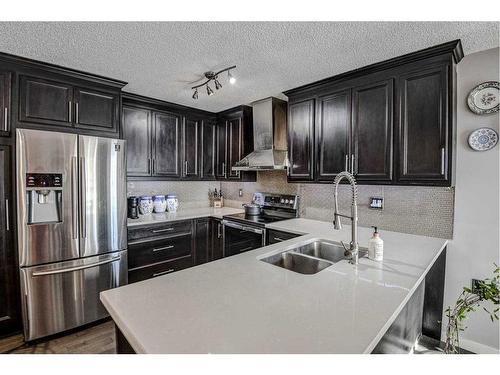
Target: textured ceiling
{"points": [[163, 59]]}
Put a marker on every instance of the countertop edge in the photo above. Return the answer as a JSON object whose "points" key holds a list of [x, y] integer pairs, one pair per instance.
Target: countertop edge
{"points": [[138, 348]]}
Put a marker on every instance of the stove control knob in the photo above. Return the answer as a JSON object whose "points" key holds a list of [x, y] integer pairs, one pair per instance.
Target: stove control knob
{"points": [[286, 201], [291, 202], [282, 200]]}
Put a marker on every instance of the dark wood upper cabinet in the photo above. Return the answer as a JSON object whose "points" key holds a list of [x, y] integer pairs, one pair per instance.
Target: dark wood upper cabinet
{"points": [[62, 104], [208, 149], [234, 140], [190, 149], [96, 109], [221, 151], [5, 100], [423, 132], [9, 306], [137, 132], [235, 144], [46, 102], [399, 129], [372, 123], [333, 134], [167, 142], [301, 140]]}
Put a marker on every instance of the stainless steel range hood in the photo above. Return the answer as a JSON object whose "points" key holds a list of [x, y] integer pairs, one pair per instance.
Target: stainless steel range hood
{"points": [[270, 137]]}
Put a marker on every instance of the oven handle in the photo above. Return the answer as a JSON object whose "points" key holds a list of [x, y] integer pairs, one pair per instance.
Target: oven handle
{"points": [[242, 227]]}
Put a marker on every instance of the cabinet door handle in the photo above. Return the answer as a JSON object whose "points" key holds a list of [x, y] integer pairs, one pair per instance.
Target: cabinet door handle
{"points": [[352, 163], [278, 239], [347, 163], [5, 121], [76, 113], [163, 248], [69, 111], [149, 166], [163, 273], [186, 168], [442, 160], [162, 230], [224, 172], [219, 234], [7, 221]]}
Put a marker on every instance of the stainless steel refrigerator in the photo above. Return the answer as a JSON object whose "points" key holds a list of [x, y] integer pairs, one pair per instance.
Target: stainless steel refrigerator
{"points": [[72, 234]]}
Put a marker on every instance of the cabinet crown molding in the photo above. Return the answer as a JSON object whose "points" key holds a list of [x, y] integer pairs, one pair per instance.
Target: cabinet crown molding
{"points": [[453, 47]]}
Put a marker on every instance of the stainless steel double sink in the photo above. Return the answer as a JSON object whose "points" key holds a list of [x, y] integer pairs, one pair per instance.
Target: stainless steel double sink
{"points": [[312, 257]]}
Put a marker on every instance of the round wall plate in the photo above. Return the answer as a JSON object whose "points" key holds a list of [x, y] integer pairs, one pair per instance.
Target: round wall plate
{"points": [[483, 139], [484, 98]]}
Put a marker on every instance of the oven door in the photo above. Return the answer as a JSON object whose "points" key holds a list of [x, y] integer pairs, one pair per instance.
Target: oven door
{"points": [[239, 238]]}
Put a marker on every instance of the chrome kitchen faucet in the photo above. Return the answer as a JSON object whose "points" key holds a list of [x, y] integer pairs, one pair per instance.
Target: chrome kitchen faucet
{"points": [[353, 248]]}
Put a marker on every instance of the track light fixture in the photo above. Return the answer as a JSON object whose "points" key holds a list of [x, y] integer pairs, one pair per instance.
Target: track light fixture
{"points": [[211, 76]]}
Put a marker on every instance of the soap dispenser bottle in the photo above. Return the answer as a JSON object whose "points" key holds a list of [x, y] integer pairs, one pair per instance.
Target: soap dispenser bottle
{"points": [[376, 247]]}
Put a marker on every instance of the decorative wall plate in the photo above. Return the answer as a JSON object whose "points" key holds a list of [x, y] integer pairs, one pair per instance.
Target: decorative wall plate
{"points": [[483, 139], [483, 98]]}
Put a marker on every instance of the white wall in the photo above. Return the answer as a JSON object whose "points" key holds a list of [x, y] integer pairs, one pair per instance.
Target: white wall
{"points": [[475, 244]]}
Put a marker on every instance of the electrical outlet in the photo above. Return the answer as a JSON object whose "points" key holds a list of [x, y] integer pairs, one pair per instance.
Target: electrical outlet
{"points": [[240, 193], [475, 286], [376, 203]]}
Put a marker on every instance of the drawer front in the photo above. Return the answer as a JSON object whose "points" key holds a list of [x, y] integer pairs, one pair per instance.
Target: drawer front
{"points": [[275, 236], [145, 253], [160, 269], [160, 230]]}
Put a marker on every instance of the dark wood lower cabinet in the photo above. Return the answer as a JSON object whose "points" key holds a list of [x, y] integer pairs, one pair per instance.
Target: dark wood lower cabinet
{"points": [[217, 239], [203, 241], [276, 236], [122, 344], [159, 249]]}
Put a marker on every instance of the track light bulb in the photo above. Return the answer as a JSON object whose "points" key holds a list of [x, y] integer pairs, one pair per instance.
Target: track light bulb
{"points": [[195, 94], [217, 84], [210, 92], [232, 80]]}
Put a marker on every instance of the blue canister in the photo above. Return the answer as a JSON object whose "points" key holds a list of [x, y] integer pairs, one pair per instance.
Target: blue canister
{"points": [[145, 205], [172, 203], [159, 203]]}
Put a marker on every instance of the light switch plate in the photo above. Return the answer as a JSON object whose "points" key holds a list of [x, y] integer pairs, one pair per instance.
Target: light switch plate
{"points": [[376, 203]]}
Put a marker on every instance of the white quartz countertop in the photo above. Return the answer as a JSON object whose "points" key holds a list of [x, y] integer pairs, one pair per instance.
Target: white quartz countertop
{"points": [[183, 214], [240, 304]]}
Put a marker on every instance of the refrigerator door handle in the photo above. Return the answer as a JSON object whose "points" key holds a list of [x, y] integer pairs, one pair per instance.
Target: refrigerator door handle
{"points": [[72, 269], [74, 195], [83, 197]]}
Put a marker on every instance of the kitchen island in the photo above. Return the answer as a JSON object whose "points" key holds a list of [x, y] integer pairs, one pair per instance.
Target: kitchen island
{"points": [[241, 304]]}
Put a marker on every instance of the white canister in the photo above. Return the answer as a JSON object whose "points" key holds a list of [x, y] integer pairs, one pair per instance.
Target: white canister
{"points": [[145, 205], [172, 203], [159, 203]]}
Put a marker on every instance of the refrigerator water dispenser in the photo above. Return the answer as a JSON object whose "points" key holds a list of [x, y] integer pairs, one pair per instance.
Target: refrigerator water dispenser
{"points": [[44, 197]]}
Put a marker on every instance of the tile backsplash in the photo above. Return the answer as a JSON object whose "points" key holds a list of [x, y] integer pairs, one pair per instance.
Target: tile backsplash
{"points": [[408, 209], [189, 193]]}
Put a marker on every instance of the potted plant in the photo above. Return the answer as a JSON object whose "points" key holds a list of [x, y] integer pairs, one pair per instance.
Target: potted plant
{"points": [[469, 300]]}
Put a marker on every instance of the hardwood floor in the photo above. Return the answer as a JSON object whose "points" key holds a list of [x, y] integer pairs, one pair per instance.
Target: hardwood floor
{"points": [[98, 339]]}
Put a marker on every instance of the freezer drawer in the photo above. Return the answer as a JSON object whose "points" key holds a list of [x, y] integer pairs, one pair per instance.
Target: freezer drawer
{"points": [[65, 295]]}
